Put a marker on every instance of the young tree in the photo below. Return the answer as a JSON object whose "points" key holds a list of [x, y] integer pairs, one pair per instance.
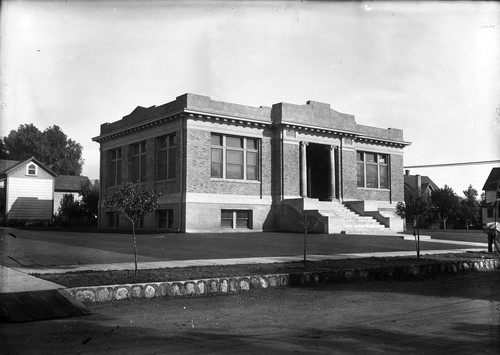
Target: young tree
{"points": [[309, 223], [416, 208], [135, 202], [51, 147], [446, 203]]}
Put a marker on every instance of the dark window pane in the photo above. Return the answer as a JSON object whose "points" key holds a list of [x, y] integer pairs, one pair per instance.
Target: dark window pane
{"points": [[234, 142], [172, 155], [234, 157], [216, 140], [360, 156], [371, 176], [384, 181], [252, 173], [382, 159], [234, 171], [251, 158], [216, 155], [371, 157], [361, 175], [252, 144]]}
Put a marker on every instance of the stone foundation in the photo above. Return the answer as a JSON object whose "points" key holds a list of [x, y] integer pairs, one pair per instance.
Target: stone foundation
{"points": [[227, 285]]}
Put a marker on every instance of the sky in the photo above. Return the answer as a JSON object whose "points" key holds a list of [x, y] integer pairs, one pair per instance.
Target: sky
{"points": [[429, 68]]}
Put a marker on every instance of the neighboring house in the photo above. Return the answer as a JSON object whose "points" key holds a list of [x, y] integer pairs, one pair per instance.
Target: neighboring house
{"points": [[67, 185], [420, 185], [416, 185], [220, 166], [491, 206], [26, 191]]}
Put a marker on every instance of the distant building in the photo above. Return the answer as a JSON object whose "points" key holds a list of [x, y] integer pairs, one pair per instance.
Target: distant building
{"points": [[26, 191], [491, 207], [418, 185], [218, 166], [31, 192], [67, 185]]}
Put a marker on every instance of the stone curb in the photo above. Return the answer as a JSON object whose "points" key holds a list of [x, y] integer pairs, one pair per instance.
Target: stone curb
{"points": [[228, 285]]}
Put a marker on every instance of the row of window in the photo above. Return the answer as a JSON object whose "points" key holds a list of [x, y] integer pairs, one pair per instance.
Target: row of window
{"points": [[166, 151], [231, 158]]}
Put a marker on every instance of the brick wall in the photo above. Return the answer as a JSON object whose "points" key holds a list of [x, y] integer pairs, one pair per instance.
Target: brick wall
{"points": [[349, 178], [291, 169]]}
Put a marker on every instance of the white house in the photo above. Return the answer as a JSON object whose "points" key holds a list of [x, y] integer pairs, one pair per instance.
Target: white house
{"points": [[26, 190]]}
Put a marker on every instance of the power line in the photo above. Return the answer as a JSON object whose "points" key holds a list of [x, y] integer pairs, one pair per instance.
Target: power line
{"points": [[453, 164]]}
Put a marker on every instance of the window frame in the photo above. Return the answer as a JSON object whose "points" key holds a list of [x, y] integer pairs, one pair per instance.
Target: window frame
{"points": [[229, 156], [366, 176], [141, 169], [169, 150], [29, 168], [169, 218], [236, 215], [114, 166]]}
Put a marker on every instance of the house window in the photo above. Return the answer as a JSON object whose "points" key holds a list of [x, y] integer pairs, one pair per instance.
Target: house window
{"points": [[372, 170], [236, 219], [114, 170], [489, 212], [138, 162], [113, 220], [31, 169], [234, 157], [166, 154], [165, 219]]}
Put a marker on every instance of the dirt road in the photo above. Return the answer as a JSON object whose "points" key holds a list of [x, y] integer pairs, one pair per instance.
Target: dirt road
{"points": [[458, 314]]}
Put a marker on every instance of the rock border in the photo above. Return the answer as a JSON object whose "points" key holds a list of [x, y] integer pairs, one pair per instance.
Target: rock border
{"points": [[229, 285]]}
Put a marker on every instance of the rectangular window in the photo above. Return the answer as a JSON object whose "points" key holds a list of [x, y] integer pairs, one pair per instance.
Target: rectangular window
{"points": [[113, 220], [165, 219], [234, 157], [372, 170], [138, 162], [489, 212], [114, 169], [166, 156], [236, 219]]}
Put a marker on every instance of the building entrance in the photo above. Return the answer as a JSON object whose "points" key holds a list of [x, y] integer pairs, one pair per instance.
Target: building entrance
{"points": [[321, 172]]}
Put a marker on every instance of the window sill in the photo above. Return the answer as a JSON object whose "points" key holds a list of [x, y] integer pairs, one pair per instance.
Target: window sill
{"points": [[373, 189], [235, 180]]}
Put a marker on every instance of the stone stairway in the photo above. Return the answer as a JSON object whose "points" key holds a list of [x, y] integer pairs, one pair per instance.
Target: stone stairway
{"points": [[342, 220]]}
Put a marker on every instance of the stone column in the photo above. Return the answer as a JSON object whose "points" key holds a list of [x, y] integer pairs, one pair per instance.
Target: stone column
{"points": [[332, 173], [303, 169]]}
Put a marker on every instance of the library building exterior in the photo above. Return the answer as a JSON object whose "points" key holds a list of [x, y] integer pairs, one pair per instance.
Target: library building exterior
{"points": [[217, 166]]}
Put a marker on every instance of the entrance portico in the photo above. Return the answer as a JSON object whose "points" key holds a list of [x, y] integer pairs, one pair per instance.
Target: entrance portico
{"points": [[319, 177]]}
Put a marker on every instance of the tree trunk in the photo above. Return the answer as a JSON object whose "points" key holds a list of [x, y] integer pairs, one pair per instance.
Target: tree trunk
{"points": [[135, 248]]}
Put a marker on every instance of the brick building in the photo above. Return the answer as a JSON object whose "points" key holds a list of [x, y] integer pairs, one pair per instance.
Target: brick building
{"points": [[220, 166]]}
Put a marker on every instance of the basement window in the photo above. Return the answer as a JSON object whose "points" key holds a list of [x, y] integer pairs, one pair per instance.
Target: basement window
{"points": [[236, 219]]}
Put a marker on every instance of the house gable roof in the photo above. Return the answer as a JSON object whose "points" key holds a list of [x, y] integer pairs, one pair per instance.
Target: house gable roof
{"points": [[493, 180], [69, 182], [425, 183], [12, 165]]}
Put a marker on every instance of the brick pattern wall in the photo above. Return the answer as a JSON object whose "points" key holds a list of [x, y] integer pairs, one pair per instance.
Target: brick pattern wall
{"points": [[397, 178], [349, 174], [291, 169]]}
